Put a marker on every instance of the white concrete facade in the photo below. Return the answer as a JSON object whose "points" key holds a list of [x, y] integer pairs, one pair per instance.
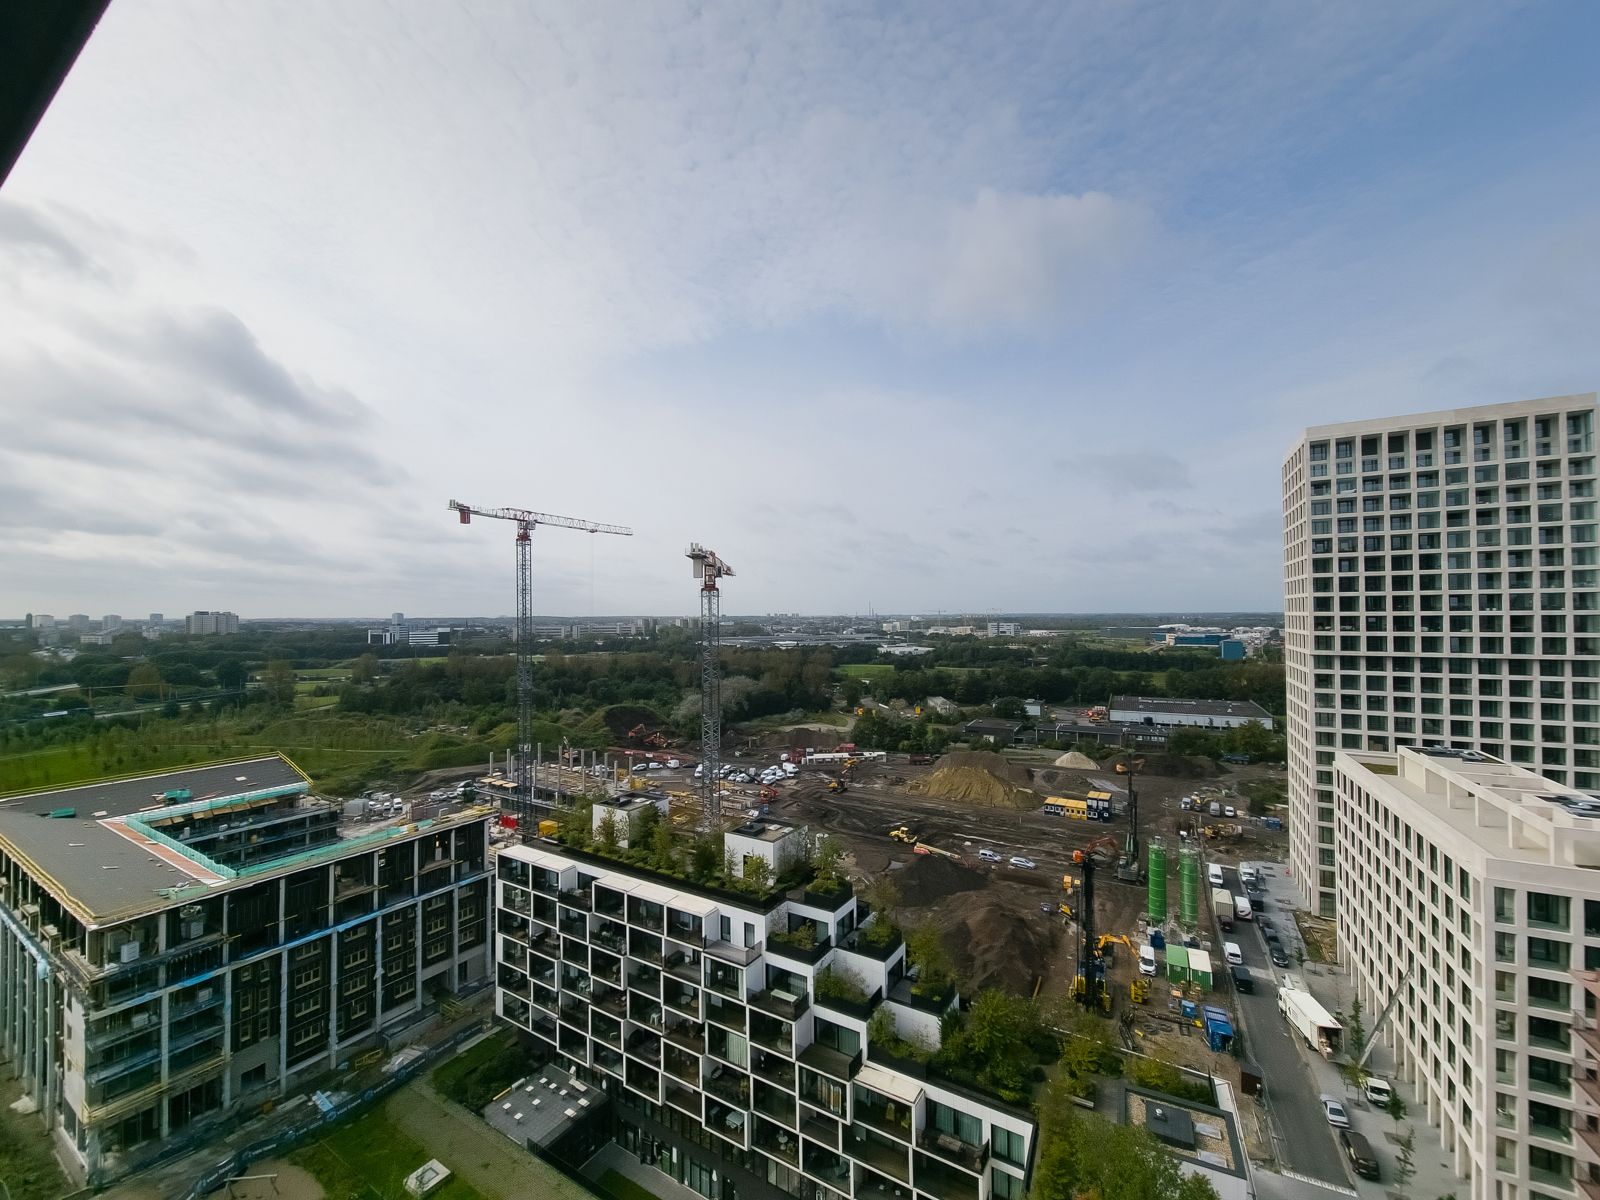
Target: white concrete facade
{"points": [[1442, 587], [1473, 886]]}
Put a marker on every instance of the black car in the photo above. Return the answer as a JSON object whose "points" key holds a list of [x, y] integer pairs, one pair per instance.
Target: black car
{"points": [[1279, 958], [1267, 928]]}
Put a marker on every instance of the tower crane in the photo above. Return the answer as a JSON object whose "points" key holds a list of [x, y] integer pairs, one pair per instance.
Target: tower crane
{"points": [[522, 771], [708, 568]]}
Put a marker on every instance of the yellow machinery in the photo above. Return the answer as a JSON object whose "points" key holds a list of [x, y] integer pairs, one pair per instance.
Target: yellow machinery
{"points": [[901, 833], [836, 785], [1139, 990]]}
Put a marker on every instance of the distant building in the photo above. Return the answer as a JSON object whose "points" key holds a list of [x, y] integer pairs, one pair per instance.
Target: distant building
{"points": [[1231, 650], [201, 623], [155, 619], [1208, 714], [1003, 629], [110, 623], [1001, 733], [43, 621], [906, 651], [939, 704], [79, 622], [98, 638]]}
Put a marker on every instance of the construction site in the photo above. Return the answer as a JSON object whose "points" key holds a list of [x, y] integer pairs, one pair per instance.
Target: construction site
{"points": [[1046, 875]]}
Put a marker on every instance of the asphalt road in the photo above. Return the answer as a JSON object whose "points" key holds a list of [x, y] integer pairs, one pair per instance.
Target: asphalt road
{"points": [[1304, 1142]]}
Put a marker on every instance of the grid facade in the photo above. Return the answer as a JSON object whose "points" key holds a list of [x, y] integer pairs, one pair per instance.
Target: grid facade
{"points": [[711, 1018], [1442, 587], [1472, 901]]}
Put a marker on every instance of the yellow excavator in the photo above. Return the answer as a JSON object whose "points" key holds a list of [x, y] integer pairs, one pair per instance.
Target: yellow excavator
{"points": [[901, 833]]}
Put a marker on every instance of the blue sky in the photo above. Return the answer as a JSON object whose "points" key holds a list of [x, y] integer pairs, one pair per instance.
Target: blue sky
{"points": [[1001, 307]]}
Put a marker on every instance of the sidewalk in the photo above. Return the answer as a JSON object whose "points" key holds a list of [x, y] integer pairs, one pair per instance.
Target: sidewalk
{"points": [[1331, 986]]}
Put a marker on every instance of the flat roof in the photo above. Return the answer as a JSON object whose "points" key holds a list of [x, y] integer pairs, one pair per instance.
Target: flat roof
{"points": [[91, 863], [540, 1108], [763, 830], [1191, 708]]}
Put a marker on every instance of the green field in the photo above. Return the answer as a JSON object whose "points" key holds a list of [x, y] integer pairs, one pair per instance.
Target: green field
{"points": [[620, 1187], [868, 673], [369, 1158]]}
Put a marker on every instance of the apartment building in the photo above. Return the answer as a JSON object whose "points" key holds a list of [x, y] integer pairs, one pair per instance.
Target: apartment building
{"points": [[203, 623], [731, 1038], [178, 947], [1472, 886], [1442, 587]]}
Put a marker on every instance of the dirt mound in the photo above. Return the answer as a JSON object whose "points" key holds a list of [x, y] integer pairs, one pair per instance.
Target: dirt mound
{"points": [[619, 718], [992, 945], [1077, 760], [977, 778], [1180, 766], [802, 736], [930, 878]]}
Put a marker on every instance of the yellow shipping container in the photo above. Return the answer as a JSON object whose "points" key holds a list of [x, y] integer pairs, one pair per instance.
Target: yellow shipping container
{"points": [[548, 828]]}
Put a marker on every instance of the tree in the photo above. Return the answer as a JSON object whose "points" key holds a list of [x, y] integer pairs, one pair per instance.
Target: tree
{"points": [[609, 836], [925, 948], [231, 675], [575, 825], [755, 876], [827, 858], [1008, 708], [1396, 1108], [851, 692], [705, 858], [278, 681], [1406, 1163], [882, 896], [364, 669], [1081, 1156], [663, 851], [144, 682]]}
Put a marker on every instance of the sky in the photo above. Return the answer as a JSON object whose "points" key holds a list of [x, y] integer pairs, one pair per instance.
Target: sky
{"points": [[903, 307]]}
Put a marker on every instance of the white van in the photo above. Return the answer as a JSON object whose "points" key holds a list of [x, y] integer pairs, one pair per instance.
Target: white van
{"points": [[1231, 952], [1147, 960], [1214, 875]]}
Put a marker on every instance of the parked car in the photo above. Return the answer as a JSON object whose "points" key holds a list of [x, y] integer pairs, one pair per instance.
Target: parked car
{"points": [[1026, 864], [1334, 1111], [1378, 1090], [989, 855], [1279, 958], [1147, 959], [1357, 1149], [1229, 811]]}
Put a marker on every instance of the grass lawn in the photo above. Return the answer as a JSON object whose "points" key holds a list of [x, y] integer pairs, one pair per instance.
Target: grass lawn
{"points": [[870, 673], [620, 1187], [479, 1074], [367, 1158], [26, 1163]]}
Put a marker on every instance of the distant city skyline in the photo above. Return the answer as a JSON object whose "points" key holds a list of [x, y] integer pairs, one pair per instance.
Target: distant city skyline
{"points": [[1018, 309]]}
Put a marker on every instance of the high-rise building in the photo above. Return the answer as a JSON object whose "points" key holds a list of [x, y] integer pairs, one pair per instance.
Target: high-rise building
{"points": [[742, 1036], [1469, 899], [1442, 587], [247, 941], [201, 623], [110, 623], [78, 622]]}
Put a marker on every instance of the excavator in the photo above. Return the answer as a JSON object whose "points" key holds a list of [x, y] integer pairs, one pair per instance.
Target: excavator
{"points": [[836, 786], [644, 737]]}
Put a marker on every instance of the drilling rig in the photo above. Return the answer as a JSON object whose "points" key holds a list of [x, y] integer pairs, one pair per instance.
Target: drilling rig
{"points": [[708, 568], [522, 768]]}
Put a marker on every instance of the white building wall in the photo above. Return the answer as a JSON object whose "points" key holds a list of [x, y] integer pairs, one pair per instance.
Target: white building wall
{"points": [[1442, 586]]}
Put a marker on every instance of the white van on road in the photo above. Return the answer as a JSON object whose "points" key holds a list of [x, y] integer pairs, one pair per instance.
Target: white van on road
{"points": [[1231, 952], [1214, 875]]}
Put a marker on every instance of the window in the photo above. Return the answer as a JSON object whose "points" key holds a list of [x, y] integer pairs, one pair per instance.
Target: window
{"points": [[1009, 1147], [1548, 912], [1004, 1186]]}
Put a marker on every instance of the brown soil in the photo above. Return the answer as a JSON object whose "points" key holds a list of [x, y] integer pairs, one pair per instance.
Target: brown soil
{"points": [[1078, 761], [930, 878], [977, 779], [292, 1183]]}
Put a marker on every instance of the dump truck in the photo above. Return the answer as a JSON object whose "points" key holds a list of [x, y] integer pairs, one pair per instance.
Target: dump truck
{"points": [[1222, 905], [1310, 1020]]}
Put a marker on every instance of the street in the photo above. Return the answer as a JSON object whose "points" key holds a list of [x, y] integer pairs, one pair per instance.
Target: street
{"points": [[1303, 1140]]}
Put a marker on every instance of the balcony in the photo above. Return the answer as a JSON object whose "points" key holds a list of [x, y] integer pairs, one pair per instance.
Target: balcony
{"points": [[1588, 1083], [952, 1149], [891, 1119], [608, 1060], [610, 936], [609, 903], [800, 945], [935, 1178], [577, 899], [779, 1143], [729, 1085], [776, 1106], [1586, 1031], [645, 949], [1588, 1189], [774, 1069], [726, 981], [683, 999], [771, 1034], [684, 965], [609, 1000], [690, 933], [726, 1014], [740, 956], [781, 1002], [826, 1165], [682, 1064], [830, 1061], [680, 1097], [725, 1121], [645, 1047], [879, 1153], [688, 1035]]}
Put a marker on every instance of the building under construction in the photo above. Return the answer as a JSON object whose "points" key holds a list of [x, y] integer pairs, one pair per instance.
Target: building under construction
{"points": [[180, 947]]}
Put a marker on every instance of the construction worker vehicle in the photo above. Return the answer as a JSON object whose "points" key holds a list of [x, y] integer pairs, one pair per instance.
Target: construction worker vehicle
{"points": [[836, 786], [1139, 990], [902, 834]]}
